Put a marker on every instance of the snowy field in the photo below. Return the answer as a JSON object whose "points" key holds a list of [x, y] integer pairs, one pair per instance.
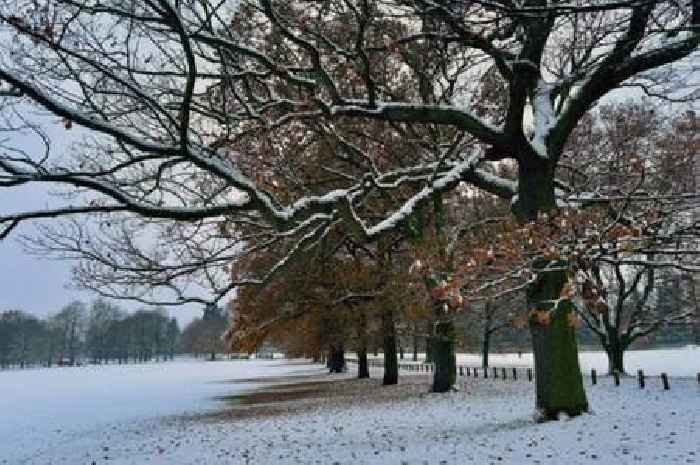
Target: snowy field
{"points": [[674, 362], [47, 410], [131, 415]]}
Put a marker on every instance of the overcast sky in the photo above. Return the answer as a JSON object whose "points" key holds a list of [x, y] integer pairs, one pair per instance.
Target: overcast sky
{"points": [[34, 284]]}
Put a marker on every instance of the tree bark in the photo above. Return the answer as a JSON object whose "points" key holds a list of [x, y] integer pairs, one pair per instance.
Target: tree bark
{"points": [[337, 359], [486, 339], [391, 363], [443, 345], [615, 354], [428, 345], [559, 385], [415, 347], [362, 366]]}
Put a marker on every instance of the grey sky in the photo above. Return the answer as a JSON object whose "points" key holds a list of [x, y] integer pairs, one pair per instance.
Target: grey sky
{"points": [[34, 284]]}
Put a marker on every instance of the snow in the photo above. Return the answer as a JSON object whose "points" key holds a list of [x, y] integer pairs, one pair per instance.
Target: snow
{"points": [[674, 362], [127, 415], [41, 408], [488, 422], [437, 185], [544, 117]]}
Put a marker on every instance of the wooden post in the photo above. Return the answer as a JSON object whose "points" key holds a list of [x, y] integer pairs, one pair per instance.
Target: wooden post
{"points": [[616, 376], [640, 378], [503, 372], [469, 373], [594, 377], [461, 371], [476, 372], [495, 373], [664, 380], [515, 374], [529, 374]]}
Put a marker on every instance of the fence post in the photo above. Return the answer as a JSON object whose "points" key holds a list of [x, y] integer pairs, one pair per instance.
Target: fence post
{"points": [[515, 374], [594, 377], [495, 373], [529, 374], [640, 377], [503, 372], [469, 373], [664, 380], [616, 376], [461, 371]]}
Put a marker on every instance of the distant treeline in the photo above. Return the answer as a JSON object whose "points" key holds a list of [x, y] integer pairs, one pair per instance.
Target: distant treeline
{"points": [[99, 333]]}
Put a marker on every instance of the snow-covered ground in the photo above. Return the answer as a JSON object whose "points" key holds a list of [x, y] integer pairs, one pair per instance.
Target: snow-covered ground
{"points": [[674, 362], [46, 410], [129, 415]]}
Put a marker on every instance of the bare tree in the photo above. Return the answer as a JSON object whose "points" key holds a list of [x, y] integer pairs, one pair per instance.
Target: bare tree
{"points": [[70, 323], [178, 98]]}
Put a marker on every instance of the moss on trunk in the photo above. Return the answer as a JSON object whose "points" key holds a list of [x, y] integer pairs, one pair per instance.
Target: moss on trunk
{"points": [[558, 377]]}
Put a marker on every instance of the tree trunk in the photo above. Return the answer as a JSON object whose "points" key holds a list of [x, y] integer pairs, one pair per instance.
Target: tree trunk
{"points": [[428, 344], [362, 366], [415, 347], [337, 359], [615, 354], [559, 385], [443, 348], [486, 339], [391, 363], [694, 294]]}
